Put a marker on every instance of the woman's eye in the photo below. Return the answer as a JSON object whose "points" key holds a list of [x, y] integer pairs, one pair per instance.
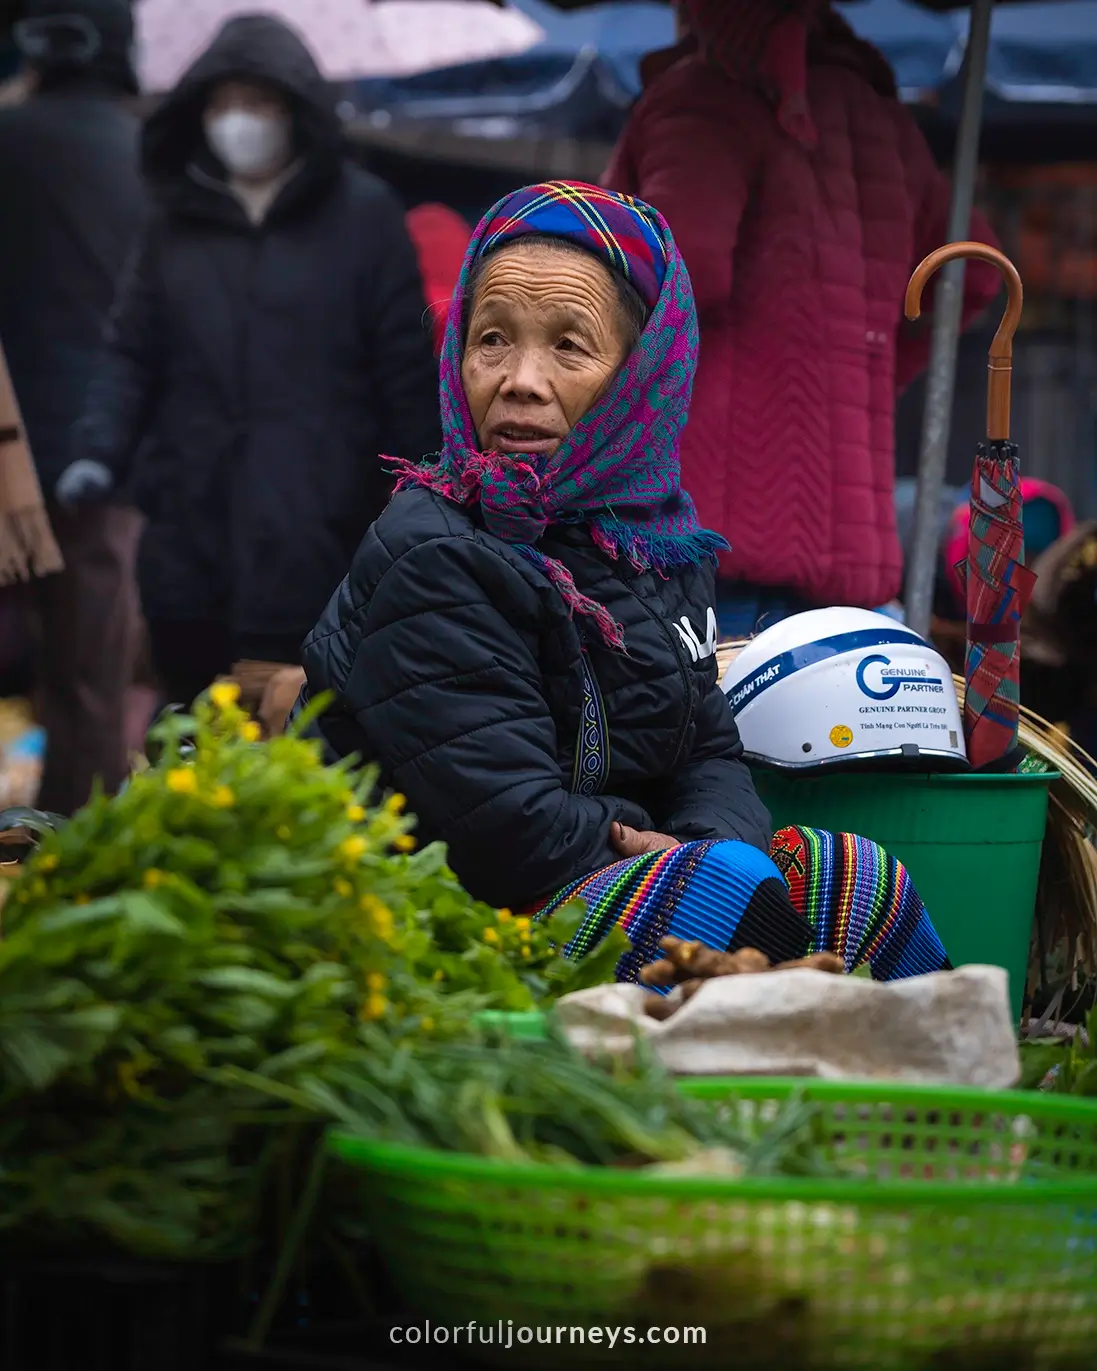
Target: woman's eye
{"points": [[492, 339], [568, 345]]}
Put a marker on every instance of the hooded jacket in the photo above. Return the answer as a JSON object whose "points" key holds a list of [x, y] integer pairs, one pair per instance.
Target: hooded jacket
{"points": [[802, 195], [457, 667], [73, 208], [253, 374]]}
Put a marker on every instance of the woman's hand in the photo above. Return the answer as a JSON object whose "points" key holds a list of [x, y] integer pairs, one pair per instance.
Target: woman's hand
{"points": [[636, 842]]}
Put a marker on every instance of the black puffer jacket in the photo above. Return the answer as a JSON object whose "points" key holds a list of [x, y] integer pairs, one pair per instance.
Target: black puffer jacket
{"points": [[458, 669], [73, 206], [253, 374]]}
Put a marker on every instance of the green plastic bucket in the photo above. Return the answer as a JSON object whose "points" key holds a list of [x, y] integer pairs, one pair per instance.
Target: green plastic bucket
{"points": [[971, 843]]}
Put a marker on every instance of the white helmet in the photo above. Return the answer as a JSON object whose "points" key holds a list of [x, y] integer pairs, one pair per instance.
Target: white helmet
{"points": [[841, 686]]}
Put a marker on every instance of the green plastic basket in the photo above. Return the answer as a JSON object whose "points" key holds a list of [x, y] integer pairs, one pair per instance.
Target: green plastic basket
{"points": [[967, 1238], [972, 844]]}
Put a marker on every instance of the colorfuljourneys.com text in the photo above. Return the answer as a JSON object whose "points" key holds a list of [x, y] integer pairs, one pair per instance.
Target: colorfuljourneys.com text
{"points": [[506, 1334]]}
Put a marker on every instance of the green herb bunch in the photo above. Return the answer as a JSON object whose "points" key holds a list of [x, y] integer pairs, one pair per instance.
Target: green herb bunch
{"points": [[544, 1102], [238, 905], [1067, 1067]]}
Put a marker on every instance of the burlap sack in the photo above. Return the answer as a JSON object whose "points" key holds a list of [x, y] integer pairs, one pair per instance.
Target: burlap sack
{"points": [[951, 1028], [27, 545]]}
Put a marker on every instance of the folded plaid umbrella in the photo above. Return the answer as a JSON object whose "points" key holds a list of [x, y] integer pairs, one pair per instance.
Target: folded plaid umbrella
{"points": [[998, 583], [998, 588]]}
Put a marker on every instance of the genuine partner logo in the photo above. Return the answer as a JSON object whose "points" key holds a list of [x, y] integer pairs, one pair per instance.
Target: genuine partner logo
{"points": [[893, 679]]}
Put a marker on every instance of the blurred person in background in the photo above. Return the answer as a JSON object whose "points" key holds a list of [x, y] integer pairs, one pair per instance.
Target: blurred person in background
{"points": [[803, 195], [73, 205], [440, 236], [268, 345]]}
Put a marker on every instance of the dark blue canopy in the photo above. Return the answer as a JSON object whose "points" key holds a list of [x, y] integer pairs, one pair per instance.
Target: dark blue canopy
{"points": [[580, 80]]}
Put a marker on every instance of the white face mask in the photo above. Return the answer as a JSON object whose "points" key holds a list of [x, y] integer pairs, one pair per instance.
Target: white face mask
{"points": [[249, 144]]}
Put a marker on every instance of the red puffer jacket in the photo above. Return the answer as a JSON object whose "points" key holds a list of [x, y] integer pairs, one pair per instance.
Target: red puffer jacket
{"points": [[800, 257], [441, 237]]}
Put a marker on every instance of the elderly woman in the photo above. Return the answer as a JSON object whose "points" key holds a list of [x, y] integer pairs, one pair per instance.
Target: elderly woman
{"points": [[526, 641]]}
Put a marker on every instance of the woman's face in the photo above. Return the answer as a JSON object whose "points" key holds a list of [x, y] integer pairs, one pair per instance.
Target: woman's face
{"points": [[254, 97], [546, 336]]}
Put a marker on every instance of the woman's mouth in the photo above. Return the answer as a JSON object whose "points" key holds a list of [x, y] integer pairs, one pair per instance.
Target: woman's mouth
{"points": [[523, 438]]}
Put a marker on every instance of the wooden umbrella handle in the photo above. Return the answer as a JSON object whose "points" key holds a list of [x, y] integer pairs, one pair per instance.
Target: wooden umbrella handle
{"points": [[1000, 361]]}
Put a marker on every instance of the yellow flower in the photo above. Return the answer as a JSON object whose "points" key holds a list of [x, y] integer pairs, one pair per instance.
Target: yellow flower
{"points": [[50, 862], [376, 981], [225, 694], [380, 914], [504, 915], [182, 781], [283, 833], [439, 975], [353, 848], [374, 1007], [153, 878], [404, 843], [522, 923], [525, 935], [222, 798], [525, 951], [396, 804], [251, 732], [355, 813], [343, 887], [490, 935], [129, 1078], [427, 1024]]}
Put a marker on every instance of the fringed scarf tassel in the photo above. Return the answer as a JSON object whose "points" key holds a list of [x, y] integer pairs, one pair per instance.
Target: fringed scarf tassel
{"points": [[613, 635], [661, 551]]}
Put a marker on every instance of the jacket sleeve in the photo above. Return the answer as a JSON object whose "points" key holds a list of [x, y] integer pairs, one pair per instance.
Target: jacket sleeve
{"points": [[713, 796], [931, 192], [398, 336], [692, 151], [450, 699], [127, 373]]}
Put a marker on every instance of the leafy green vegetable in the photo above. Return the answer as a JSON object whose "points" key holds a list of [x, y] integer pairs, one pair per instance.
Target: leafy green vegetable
{"points": [[237, 904], [1073, 1062], [542, 1101]]}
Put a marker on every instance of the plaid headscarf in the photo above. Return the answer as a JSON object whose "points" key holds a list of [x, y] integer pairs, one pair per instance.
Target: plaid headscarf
{"points": [[618, 468]]}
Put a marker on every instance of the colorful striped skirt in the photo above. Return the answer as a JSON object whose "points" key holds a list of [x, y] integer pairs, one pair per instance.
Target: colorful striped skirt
{"points": [[815, 892]]}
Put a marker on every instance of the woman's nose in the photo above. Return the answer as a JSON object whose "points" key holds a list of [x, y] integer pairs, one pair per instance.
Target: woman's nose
{"points": [[527, 378]]}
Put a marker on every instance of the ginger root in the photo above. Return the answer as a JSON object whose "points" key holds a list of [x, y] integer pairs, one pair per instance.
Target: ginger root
{"points": [[688, 965]]}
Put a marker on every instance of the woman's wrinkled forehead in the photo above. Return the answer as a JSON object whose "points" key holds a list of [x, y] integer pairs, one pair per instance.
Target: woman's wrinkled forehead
{"points": [[548, 281], [623, 233]]}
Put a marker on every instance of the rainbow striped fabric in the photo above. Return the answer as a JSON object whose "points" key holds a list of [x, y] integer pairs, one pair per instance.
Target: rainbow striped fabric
{"points": [[816, 892], [861, 903]]}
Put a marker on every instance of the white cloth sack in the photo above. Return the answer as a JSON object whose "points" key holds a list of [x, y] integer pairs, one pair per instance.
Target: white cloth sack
{"points": [[950, 1028]]}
